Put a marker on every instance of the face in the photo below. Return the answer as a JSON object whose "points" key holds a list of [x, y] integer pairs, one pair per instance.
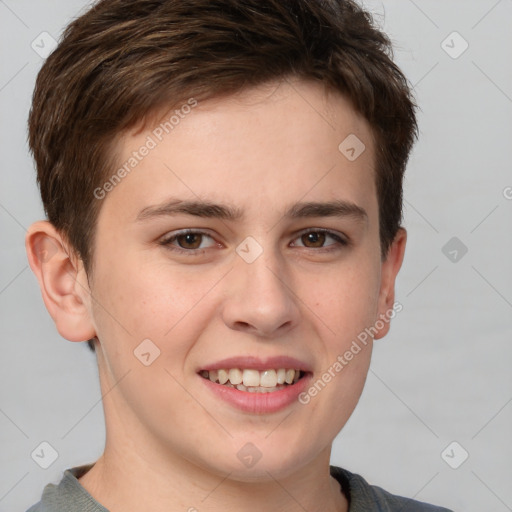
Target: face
{"points": [[244, 239]]}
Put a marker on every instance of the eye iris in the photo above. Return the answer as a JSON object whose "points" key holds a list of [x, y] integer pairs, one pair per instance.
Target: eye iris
{"points": [[315, 238], [189, 239]]}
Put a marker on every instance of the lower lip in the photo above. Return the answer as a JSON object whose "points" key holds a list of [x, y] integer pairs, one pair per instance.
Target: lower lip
{"points": [[259, 403]]}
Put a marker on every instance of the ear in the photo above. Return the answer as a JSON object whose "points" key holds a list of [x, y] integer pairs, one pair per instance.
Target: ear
{"points": [[63, 281], [389, 271]]}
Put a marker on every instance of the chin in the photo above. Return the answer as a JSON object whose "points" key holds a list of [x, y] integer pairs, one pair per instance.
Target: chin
{"points": [[260, 461]]}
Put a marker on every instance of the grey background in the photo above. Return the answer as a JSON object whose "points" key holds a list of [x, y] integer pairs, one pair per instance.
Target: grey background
{"points": [[441, 375]]}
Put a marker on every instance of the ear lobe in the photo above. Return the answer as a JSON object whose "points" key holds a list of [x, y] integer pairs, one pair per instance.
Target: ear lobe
{"points": [[390, 268], [60, 278]]}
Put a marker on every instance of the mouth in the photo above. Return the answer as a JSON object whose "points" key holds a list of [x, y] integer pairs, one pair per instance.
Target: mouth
{"points": [[254, 381], [257, 385]]}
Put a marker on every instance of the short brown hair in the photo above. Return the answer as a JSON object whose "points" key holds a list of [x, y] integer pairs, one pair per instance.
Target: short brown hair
{"points": [[125, 60]]}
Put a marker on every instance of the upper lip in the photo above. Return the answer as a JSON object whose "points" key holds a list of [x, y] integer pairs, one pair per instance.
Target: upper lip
{"points": [[257, 363]]}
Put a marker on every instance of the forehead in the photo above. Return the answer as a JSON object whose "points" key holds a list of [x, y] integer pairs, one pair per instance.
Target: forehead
{"points": [[264, 146]]}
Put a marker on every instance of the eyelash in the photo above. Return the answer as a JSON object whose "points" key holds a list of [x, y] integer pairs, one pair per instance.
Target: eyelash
{"points": [[167, 242]]}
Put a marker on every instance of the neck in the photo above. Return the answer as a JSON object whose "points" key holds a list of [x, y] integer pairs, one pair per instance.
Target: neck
{"points": [[124, 481]]}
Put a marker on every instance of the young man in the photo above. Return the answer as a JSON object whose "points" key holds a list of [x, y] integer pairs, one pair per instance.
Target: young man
{"points": [[223, 183]]}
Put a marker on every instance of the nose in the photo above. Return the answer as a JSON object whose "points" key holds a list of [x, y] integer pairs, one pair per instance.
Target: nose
{"points": [[260, 298]]}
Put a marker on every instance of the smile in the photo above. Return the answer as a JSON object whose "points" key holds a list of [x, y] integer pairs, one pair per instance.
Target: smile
{"points": [[256, 391], [254, 381]]}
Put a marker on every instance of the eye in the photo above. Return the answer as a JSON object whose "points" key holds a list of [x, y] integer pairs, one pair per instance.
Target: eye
{"points": [[187, 241], [317, 238]]}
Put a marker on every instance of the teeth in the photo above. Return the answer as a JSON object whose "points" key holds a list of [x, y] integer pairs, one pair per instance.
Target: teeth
{"points": [[268, 379], [235, 376], [223, 376], [290, 374], [253, 380]]}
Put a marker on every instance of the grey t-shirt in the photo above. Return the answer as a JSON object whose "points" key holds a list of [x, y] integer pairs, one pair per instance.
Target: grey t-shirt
{"points": [[70, 496]]}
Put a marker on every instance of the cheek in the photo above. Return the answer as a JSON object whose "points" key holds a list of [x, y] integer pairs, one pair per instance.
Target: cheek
{"points": [[347, 299], [155, 302]]}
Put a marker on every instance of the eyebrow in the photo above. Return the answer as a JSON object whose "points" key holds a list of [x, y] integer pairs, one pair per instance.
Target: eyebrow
{"points": [[196, 208], [337, 208]]}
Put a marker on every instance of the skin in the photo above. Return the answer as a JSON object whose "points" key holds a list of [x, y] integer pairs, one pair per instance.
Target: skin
{"points": [[171, 444]]}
